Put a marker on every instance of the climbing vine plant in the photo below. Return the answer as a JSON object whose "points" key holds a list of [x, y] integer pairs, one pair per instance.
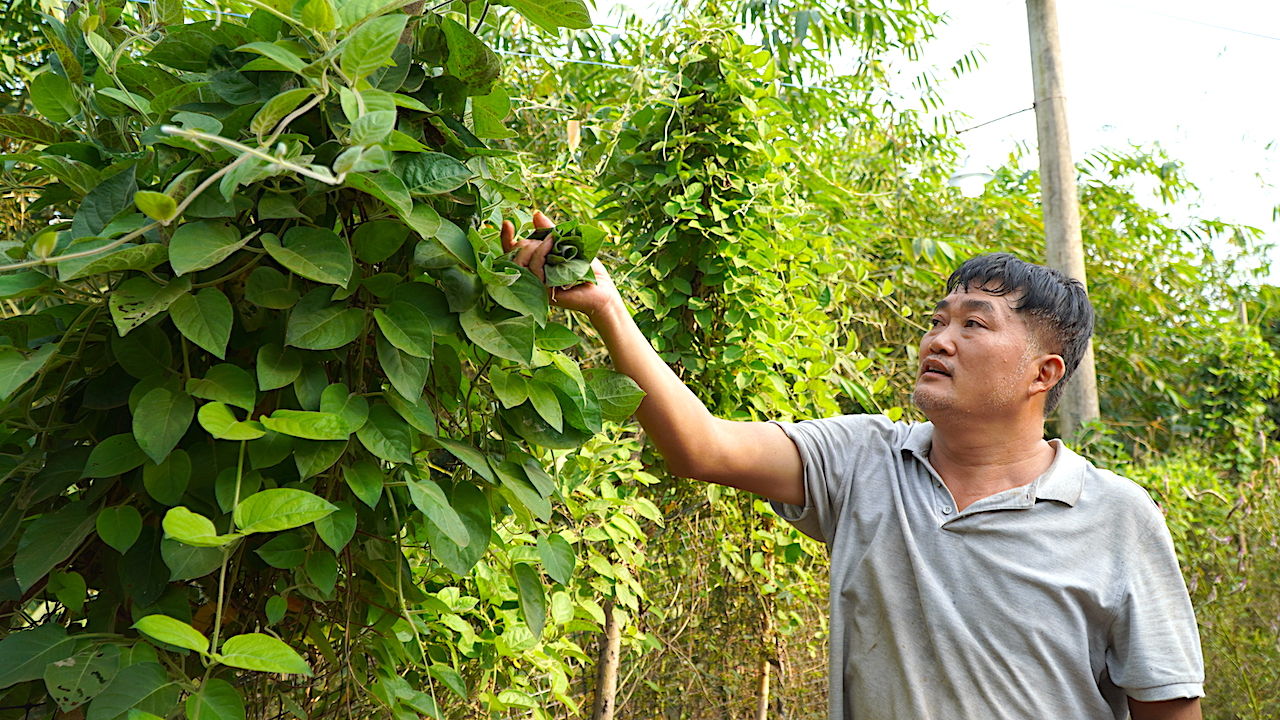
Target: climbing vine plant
{"points": [[278, 412]]}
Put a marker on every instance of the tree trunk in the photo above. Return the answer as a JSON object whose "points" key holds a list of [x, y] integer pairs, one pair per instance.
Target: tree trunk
{"points": [[607, 666], [762, 697]]}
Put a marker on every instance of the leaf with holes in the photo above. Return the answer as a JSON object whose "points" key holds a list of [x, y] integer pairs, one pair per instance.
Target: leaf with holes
{"points": [[144, 686], [140, 298], [78, 679]]}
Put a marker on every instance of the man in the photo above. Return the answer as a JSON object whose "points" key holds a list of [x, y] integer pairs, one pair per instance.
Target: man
{"points": [[977, 571]]}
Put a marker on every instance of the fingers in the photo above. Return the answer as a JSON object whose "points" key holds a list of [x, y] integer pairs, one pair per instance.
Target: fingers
{"points": [[508, 235], [538, 259], [529, 253], [524, 251]]}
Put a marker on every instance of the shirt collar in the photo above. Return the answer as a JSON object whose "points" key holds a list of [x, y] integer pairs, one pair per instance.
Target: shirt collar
{"points": [[1063, 481]]}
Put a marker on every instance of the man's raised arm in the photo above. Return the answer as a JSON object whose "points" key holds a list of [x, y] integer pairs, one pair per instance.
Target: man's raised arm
{"points": [[757, 457]]}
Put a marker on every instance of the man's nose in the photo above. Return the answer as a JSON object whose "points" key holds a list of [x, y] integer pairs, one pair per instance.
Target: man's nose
{"points": [[941, 342]]}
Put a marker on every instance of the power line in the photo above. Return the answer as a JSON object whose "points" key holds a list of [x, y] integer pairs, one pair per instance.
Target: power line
{"points": [[1002, 117], [1189, 20]]}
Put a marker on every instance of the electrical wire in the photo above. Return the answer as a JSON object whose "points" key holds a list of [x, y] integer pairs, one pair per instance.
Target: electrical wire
{"points": [[1002, 117], [1185, 19]]}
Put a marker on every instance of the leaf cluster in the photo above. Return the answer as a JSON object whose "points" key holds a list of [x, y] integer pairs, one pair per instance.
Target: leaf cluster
{"points": [[275, 401]]}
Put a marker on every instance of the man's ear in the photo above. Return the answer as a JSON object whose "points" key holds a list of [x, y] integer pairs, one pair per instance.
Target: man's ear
{"points": [[1049, 371]]}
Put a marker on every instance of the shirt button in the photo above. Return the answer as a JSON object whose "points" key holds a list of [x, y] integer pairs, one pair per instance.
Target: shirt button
{"points": [[946, 509]]}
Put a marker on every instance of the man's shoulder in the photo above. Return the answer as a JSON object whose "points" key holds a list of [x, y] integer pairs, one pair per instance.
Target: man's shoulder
{"points": [[1108, 493]]}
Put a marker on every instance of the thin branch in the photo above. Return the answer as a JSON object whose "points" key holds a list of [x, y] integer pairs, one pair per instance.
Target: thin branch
{"points": [[326, 177], [83, 253]]}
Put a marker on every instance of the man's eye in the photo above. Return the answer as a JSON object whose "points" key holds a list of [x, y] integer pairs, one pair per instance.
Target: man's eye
{"points": [[973, 323]]}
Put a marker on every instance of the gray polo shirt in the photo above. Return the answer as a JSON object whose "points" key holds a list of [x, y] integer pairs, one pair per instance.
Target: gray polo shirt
{"points": [[1052, 600]]}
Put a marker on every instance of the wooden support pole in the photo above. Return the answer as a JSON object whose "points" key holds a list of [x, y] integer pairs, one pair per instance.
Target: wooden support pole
{"points": [[1064, 249], [607, 666]]}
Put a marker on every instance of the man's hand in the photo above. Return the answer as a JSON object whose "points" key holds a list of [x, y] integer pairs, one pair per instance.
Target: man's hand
{"points": [[590, 299], [757, 457]]}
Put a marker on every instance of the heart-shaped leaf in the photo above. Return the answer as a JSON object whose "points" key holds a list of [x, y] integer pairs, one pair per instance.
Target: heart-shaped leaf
{"points": [[279, 509], [256, 651], [314, 253], [205, 319], [119, 527]]}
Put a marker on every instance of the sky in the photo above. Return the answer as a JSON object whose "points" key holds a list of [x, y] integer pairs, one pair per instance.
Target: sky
{"points": [[1138, 72]]}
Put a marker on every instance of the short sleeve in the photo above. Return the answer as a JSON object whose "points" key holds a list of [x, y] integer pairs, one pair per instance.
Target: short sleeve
{"points": [[833, 451], [1154, 651]]}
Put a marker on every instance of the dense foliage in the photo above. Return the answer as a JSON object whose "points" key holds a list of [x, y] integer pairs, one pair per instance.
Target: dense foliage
{"points": [[276, 403]]}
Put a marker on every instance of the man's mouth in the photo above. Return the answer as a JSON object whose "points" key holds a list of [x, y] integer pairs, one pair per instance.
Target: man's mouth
{"points": [[935, 368]]}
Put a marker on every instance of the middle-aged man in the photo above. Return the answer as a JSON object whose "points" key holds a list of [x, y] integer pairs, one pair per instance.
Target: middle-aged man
{"points": [[977, 570]]}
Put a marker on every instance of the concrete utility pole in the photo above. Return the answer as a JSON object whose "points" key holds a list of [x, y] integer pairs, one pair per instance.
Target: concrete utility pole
{"points": [[1063, 248]]}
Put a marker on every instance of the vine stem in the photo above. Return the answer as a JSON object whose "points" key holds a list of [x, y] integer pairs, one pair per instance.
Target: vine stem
{"points": [[83, 253], [302, 110], [226, 553], [404, 606], [326, 177]]}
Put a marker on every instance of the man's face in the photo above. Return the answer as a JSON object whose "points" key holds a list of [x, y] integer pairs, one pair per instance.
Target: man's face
{"points": [[977, 359]]}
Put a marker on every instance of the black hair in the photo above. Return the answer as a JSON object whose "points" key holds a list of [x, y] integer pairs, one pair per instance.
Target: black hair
{"points": [[1062, 316]]}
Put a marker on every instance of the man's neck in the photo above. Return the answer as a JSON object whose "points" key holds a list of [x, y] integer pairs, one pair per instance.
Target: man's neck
{"points": [[978, 460]]}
